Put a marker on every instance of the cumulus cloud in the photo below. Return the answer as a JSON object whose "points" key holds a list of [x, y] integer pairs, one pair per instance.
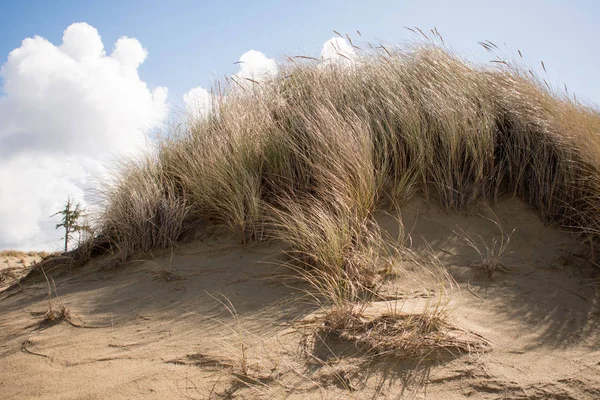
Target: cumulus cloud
{"points": [[254, 67], [198, 102], [338, 51], [82, 41], [67, 111], [130, 54]]}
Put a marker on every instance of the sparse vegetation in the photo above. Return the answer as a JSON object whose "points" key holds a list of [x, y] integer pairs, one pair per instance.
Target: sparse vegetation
{"points": [[164, 275], [490, 253], [401, 335], [12, 253], [56, 313], [22, 254], [238, 332]]}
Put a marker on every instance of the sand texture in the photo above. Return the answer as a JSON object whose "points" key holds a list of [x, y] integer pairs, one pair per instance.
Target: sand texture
{"points": [[213, 319]]}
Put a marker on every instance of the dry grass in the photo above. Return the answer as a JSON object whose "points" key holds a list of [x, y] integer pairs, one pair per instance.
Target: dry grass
{"points": [[56, 313], [401, 335], [12, 253], [22, 254], [164, 275], [144, 211], [490, 253], [238, 332], [356, 139], [309, 156]]}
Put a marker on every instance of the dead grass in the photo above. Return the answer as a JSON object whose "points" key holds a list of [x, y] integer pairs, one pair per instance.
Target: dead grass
{"points": [[23, 254], [165, 275], [12, 253], [56, 314], [400, 335], [490, 253], [238, 332]]}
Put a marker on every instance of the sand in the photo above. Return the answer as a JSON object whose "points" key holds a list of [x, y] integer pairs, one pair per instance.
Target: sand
{"points": [[14, 267], [213, 319]]}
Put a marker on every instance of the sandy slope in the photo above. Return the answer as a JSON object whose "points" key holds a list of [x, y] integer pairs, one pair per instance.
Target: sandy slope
{"points": [[12, 268], [161, 329]]}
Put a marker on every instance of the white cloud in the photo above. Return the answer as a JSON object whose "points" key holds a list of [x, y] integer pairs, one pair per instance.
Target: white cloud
{"points": [[254, 66], [129, 52], [66, 112], [82, 41], [338, 51], [198, 102]]}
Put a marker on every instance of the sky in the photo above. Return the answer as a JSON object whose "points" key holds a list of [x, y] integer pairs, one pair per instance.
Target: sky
{"points": [[83, 83]]}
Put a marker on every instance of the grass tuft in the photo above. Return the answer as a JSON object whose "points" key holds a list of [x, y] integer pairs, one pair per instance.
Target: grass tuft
{"points": [[490, 253], [400, 335]]}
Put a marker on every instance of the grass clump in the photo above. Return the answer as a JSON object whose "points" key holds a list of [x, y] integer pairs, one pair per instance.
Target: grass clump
{"points": [[490, 253], [56, 314], [144, 211], [400, 335]]}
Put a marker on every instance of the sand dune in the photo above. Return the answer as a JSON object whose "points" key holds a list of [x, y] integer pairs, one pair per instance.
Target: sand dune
{"points": [[14, 265], [213, 319]]}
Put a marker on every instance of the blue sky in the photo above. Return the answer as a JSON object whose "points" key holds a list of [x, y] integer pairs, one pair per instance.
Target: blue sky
{"points": [[191, 43], [78, 96]]}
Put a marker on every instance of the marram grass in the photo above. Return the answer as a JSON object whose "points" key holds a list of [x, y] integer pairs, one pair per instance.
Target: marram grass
{"points": [[359, 138], [307, 157]]}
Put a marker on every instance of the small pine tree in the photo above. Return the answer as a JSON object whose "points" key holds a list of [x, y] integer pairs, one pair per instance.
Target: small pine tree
{"points": [[70, 221]]}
